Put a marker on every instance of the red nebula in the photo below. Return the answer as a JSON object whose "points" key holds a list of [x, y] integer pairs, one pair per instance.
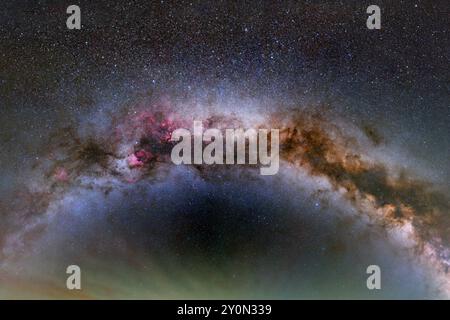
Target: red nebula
{"points": [[139, 158], [61, 174]]}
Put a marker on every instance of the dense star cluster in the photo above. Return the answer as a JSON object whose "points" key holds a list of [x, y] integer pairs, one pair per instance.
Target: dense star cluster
{"points": [[87, 179]]}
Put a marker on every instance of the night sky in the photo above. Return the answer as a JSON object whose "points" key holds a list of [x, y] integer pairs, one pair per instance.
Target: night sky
{"points": [[86, 176]]}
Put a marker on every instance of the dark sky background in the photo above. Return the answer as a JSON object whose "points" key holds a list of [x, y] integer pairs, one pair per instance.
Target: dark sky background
{"points": [[397, 76]]}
